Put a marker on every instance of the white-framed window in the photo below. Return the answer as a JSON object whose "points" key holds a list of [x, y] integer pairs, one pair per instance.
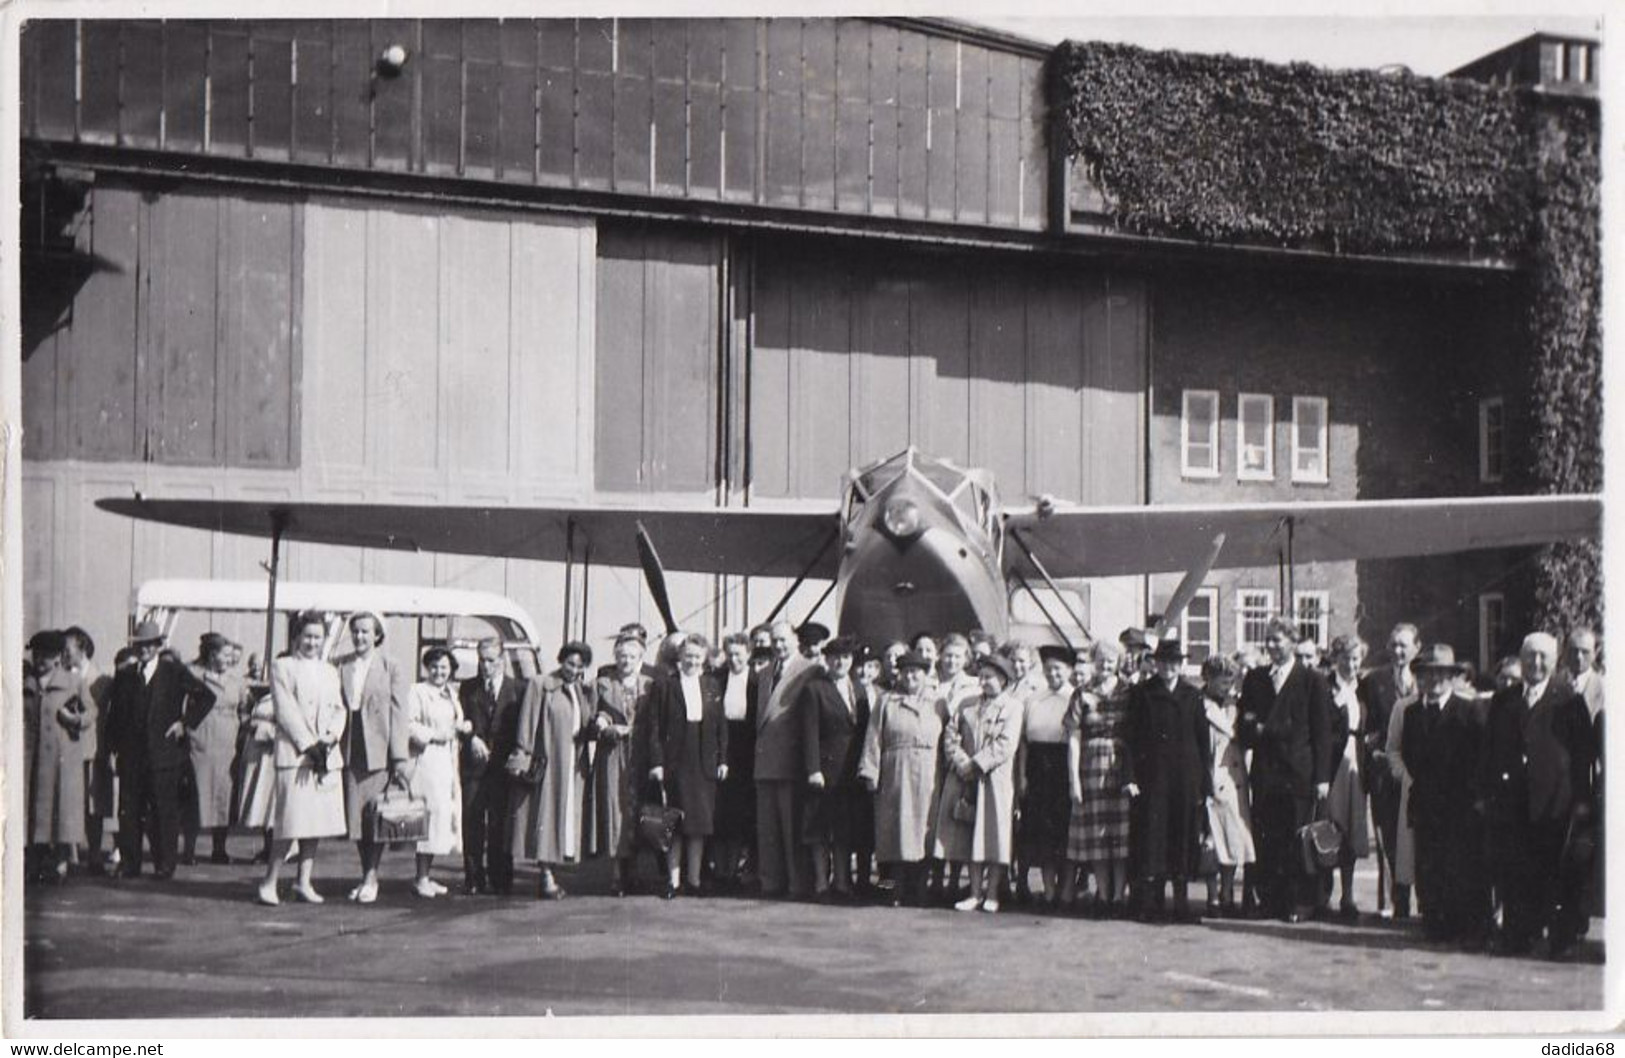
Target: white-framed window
{"points": [[1492, 624], [1311, 612], [1254, 608], [1199, 626], [1491, 439], [1199, 434], [1255, 437], [1310, 430]]}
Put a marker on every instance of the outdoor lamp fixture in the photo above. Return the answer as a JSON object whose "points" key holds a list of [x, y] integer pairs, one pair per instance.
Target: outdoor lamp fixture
{"points": [[902, 519], [392, 61]]}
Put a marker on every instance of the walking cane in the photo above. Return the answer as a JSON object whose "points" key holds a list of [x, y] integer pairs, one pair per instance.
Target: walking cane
{"points": [[1382, 859]]}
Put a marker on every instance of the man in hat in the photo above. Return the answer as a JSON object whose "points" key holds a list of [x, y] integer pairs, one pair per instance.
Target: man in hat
{"points": [[834, 713], [810, 638], [1285, 719], [1439, 743], [1534, 780], [1379, 691], [151, 704], [1170, 780]]}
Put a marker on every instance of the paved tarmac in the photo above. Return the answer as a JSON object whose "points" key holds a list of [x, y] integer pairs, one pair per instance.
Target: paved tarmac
{"points": [[198, 946]]}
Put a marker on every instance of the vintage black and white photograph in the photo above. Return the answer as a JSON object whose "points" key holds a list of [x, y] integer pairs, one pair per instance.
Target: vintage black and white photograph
{"points": [[806, 514]]}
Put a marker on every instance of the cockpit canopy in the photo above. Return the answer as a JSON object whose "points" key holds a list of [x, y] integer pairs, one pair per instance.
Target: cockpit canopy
{"points": [[969, 491]]}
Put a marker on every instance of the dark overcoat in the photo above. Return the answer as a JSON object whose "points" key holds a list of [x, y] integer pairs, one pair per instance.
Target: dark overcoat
{"points": [[1169, 752]]}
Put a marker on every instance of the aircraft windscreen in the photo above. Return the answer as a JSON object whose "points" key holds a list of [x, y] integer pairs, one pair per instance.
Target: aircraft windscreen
{"points": [[941, 475]]}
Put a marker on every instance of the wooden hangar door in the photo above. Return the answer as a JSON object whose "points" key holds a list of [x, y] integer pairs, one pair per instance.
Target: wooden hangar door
{"points": [[1036, 370]]}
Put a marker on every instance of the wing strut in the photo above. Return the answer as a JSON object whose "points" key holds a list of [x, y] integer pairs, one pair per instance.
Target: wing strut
{"points": [[279, 525], [1053, 623], [828, 540], [819, 603], [1042, 572]]}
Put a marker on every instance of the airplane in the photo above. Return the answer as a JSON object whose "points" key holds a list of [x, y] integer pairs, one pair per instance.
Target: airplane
{"points": [[917, 542]]}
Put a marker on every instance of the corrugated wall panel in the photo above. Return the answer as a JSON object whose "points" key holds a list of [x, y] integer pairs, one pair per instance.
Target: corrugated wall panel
{"points": [[179, 357], [475, 283], [259, 394], [335, 340], [403, 309]]}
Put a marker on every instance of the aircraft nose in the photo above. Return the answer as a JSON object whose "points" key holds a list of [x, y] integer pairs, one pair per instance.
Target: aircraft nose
{"points": [[901, 520]]}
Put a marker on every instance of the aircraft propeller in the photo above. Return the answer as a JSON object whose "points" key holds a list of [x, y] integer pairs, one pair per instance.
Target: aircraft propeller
{"points": [[654, 574], [1188, 587]]}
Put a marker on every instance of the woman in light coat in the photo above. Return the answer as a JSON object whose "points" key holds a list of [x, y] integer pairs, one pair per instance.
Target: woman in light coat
{"points": [[981, 742], [554, 727], [57, 802], [310, 717], [901, 750], [434, 720], [213, 745], [1346, 803], [1229, 810]]}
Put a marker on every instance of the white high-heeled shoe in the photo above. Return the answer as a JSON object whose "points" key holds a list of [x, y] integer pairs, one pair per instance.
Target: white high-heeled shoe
{"points": [[308, 894], [425, 888], [970, 903], [266, 894]]}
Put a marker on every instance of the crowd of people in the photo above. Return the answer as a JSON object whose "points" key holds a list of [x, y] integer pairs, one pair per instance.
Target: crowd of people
{"points": [[950, 770]]}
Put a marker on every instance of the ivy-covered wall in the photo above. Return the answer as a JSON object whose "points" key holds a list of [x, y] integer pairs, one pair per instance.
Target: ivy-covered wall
{"points": [[1241, 151]]}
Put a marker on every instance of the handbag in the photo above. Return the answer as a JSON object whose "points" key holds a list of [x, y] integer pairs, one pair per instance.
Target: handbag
{"points": [[524, 768], [1320, 842], [964, 809], [396, 816], [658, 822]]}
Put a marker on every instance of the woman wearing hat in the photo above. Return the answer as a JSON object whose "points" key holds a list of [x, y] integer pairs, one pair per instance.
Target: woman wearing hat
{"points": [[688, 755], [1169, 779], [1041, 776], [554, 727], [899, 765], [310, 717], [213, 747], [1097, 772], [1346, 803], [56, 814], [975, 818]]}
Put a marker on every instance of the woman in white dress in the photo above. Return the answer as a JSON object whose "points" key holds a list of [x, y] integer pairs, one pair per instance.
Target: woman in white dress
{"points": [[434, 720], [310, 717], [1346, 804]]}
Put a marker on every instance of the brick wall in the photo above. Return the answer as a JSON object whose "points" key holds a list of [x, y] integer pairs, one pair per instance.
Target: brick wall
{"points": [[1403, 363]]}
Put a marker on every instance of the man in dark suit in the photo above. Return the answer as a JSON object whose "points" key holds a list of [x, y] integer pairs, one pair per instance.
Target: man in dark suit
{"points": [[1378, 691], [1440, 746], [1285, 720], [491, 702], [150, 706], [1534, 784], [779, 767], [834, 709]]}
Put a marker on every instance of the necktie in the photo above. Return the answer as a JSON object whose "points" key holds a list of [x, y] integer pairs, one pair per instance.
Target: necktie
{"points": [[491, 687]]}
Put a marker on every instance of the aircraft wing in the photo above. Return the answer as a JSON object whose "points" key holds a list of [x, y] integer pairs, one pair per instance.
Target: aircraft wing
{"points": [[738, 540], [1110, 541]]}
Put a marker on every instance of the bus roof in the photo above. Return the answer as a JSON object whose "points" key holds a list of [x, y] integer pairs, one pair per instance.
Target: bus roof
{"points": [[389, 600]]}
